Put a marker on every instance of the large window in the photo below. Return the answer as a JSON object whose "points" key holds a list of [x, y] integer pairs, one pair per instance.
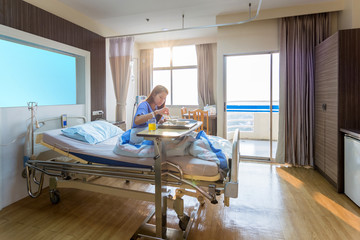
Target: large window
{"points": [[176, 69], [252, 95], [248, 89], [32, 74]]}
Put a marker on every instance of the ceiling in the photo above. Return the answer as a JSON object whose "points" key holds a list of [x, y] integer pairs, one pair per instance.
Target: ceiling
{"points": [[139, 16]]}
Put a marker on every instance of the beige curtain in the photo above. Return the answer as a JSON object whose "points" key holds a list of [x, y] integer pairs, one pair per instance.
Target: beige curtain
{"points": [[146, 71], [299, 36], [120, 55], [205, 58]]}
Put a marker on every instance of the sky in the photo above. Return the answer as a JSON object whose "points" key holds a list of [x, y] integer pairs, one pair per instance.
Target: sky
{"points": [[29, 74]]}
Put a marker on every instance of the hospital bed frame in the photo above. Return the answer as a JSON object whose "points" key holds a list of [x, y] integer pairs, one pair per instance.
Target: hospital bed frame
{"points": [[78, 174]]}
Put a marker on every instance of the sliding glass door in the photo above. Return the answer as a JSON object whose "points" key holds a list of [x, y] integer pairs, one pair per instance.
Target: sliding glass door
{"points": [[252, 103]]}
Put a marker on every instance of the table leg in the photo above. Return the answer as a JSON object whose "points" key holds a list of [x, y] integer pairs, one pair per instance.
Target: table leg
{"points": [[160, 192]]}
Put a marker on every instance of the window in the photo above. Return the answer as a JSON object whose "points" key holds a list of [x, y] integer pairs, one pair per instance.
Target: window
{"points": [[249, 86], [176, 69], [46, 77]]}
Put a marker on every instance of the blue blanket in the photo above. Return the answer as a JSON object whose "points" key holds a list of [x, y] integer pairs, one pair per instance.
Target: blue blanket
{"points": [[201, 146]]}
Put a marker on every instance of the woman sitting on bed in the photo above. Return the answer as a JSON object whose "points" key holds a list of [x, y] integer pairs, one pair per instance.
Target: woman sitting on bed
{"points": [[152, 107], [199, 145]]}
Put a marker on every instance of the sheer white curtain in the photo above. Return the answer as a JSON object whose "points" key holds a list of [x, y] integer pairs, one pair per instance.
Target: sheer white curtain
{"points": [[205, 59], [120, 56]]}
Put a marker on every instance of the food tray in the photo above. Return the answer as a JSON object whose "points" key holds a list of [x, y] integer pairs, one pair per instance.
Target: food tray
{"points": [[181, 124]]}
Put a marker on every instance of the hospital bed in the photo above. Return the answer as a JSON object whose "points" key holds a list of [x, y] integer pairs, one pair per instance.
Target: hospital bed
{"points": [[75, 165]]}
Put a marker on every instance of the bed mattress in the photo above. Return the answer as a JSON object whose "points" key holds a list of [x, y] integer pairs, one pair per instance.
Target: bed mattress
{"points": [[103, 153]]}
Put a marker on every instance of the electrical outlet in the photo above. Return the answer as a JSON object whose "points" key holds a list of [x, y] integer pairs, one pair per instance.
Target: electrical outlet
{"points": [[98, 112]]}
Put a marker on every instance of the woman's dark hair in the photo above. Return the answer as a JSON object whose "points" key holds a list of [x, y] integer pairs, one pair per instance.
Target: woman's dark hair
{"points": [[157, 90]]}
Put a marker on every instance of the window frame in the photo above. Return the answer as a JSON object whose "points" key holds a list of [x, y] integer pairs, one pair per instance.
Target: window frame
{"points": [[171, 68]]}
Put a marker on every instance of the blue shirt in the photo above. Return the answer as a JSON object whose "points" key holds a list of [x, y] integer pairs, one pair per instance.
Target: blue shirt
{"points": [[143, 108]]}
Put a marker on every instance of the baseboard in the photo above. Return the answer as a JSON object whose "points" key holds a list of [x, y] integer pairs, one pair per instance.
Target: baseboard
{"points": [[332, 182]]}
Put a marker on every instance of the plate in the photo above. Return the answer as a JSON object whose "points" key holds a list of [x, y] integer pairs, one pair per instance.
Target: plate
{"points": [[179, 124]]}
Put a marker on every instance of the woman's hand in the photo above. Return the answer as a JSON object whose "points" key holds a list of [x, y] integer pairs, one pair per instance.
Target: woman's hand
{"points": [[163, 111]]}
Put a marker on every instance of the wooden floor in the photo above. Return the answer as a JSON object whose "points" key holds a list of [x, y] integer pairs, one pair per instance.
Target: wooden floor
{"points": [[274, 203]]}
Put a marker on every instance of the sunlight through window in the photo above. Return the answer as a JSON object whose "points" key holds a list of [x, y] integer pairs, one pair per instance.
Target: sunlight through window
{"points": [[162, 58], [289, 178], [176, 69], [184, 56], [338, 210]]}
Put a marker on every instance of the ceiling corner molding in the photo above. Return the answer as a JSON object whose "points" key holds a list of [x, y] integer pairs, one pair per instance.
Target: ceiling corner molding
{"points": [[61, 10]]}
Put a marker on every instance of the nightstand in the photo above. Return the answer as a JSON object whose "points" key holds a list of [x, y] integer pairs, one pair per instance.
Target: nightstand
{"points": [[120, 124]]}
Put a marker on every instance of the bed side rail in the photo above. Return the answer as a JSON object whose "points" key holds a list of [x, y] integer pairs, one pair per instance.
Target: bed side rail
{"points": [[32, 150], [235, 157], [55, 123], [231, 187]]}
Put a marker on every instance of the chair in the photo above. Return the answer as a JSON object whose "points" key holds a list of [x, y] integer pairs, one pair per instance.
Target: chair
{"points": [[183, 112], [200, 115]]}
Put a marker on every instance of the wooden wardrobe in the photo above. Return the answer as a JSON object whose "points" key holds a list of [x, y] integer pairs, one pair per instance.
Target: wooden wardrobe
{"points": [[337, 101]]}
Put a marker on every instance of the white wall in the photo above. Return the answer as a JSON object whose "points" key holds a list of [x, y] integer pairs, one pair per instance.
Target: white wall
{"points": [[181, 42], [356, 9], [253, 37], [14, 122], [350, 17]]}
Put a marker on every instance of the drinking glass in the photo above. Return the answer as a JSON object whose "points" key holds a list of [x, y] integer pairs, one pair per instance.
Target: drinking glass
{"points": [[152, 124]]}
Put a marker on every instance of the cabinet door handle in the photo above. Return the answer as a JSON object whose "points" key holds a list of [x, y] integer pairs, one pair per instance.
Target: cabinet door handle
{"points": [[323, 106]]}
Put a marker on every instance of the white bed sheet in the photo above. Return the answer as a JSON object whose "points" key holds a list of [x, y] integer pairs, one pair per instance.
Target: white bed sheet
{"points": [[189, 164]]}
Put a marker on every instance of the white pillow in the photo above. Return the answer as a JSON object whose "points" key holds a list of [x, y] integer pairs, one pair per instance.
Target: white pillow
{"points": [[92, 132]]}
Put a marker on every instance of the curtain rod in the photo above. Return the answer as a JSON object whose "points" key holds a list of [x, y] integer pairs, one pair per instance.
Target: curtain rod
{"points": [[198, 27]]}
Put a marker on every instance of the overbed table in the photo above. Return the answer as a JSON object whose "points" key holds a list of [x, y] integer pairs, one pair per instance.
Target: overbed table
{"points": [[158, 137]]}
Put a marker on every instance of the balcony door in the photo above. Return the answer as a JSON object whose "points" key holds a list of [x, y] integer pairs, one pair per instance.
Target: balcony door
{"points": [[252, 103]]}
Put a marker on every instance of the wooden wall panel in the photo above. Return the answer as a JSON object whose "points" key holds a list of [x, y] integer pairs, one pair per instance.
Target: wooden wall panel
{"points": [[349, 89], [326, 120], [331, 124], [26, 17], [320, 98], [349, 49]]}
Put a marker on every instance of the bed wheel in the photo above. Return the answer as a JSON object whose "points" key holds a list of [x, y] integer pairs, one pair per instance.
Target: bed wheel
{"points": [[54, 196], [201, 200], [183, 222], [23, 173], [67, 178]]}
